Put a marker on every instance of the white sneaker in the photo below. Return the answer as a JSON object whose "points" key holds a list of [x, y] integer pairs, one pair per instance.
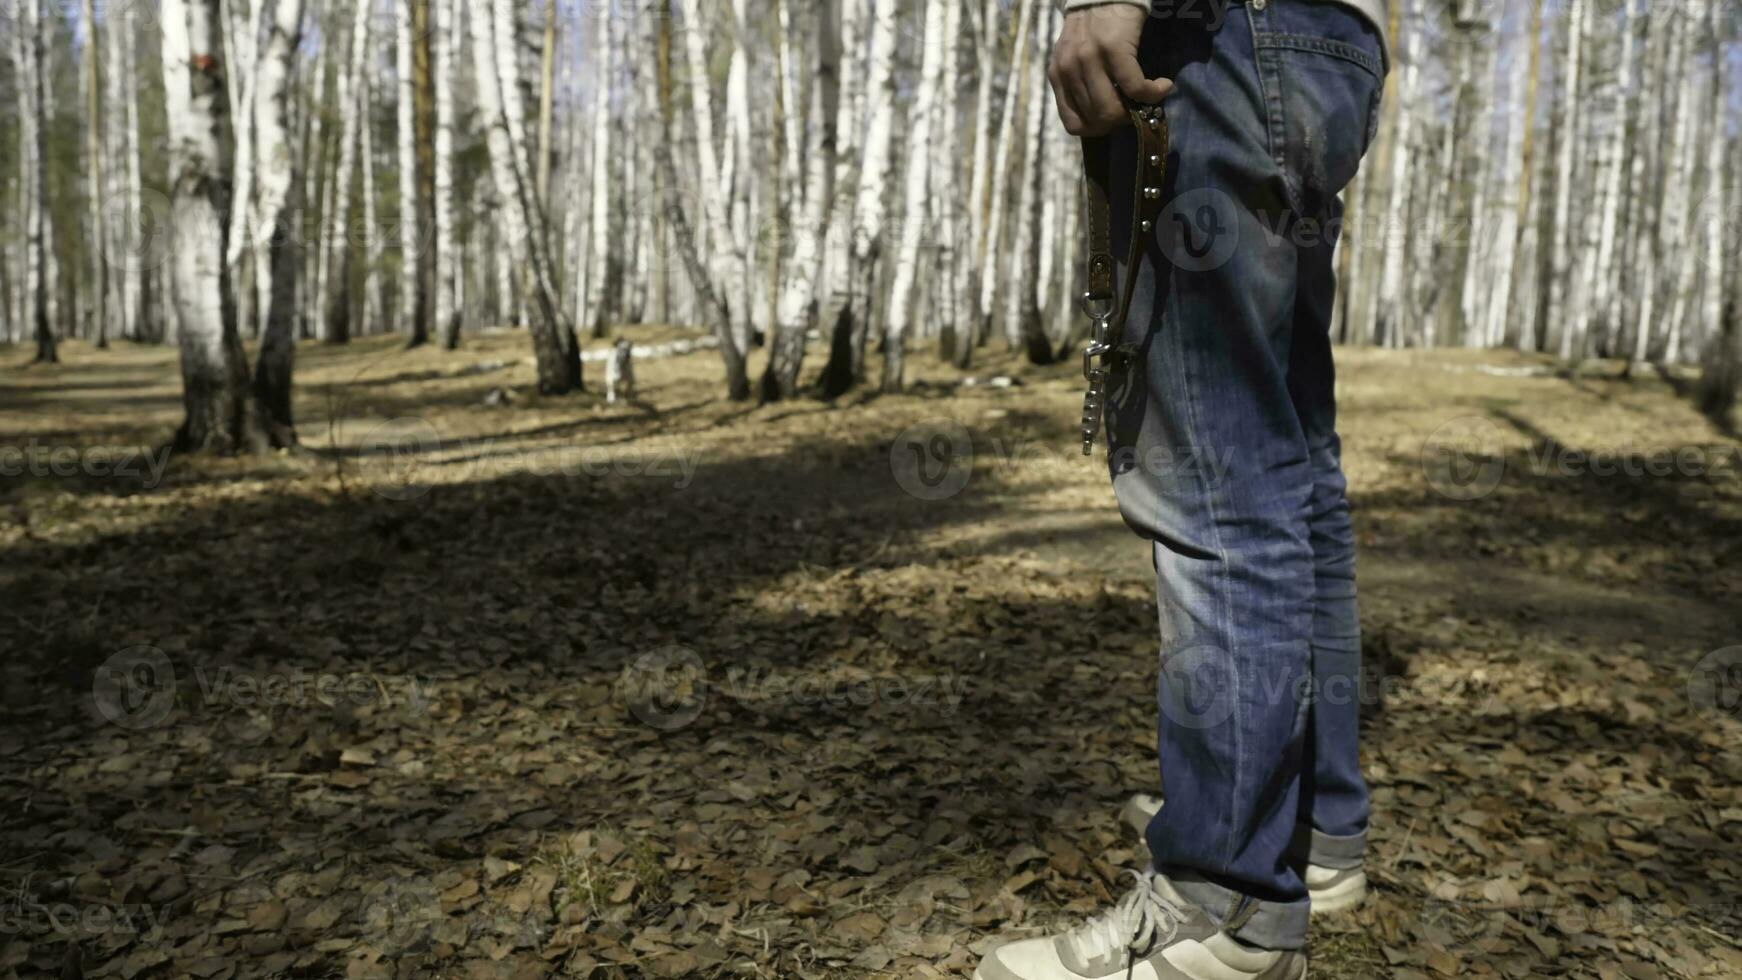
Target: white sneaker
{"points": [[1152, 934], [1329, 889]]}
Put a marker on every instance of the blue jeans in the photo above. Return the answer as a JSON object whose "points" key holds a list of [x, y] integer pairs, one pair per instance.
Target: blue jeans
{"points": [[1224, 452]]}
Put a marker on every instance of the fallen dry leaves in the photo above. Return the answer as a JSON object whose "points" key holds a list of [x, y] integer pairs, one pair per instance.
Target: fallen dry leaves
{"points": [[460, 713]]}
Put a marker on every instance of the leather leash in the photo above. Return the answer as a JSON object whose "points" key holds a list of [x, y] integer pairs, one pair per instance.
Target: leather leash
{"points": [[1106, 308]]}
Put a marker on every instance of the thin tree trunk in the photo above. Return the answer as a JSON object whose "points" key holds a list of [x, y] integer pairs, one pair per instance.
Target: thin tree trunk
{"points": [[922, 119], [94, 150], [35, 138], [447, 309], [410, 234], [279, 204], [496, 59], [351, 88], [1562, 230], [215, 393], [991, 253], [599, 194], [799, 295], [732, 358]]}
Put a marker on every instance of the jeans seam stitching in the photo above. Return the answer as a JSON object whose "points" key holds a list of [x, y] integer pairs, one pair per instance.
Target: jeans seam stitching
{"points": [[1270, 82], [1277, 40]]}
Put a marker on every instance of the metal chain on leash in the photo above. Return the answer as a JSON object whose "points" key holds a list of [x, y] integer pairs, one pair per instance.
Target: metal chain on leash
{"points": [[1105, 308]]}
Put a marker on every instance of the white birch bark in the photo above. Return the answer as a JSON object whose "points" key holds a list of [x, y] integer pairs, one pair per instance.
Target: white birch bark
{"points": [[1712, 212], [1603, 273], [1560, 262], [275, 220], [1671, 196], [494, 37], [740, 180], [838, 316], [599, 194], [442, 68], [917, 184], [94, 152], [220, 412], [1514, 176], [990, 251], [980, 174], [42, 284], [799, 291], [1022, 326], [410, 237], [370, 230], [27, 58], [339, 223]]}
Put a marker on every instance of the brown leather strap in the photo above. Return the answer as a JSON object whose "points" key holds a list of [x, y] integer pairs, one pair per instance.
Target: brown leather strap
{"points": [[1099, 303]]}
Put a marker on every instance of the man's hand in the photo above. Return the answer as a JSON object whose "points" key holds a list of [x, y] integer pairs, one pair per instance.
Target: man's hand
{"points": [[1094, 60]]}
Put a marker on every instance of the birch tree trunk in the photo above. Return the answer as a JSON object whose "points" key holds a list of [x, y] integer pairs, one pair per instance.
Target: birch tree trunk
{"points": [[447, 309], [215, 393], [1712, 210], [799, 292], [410, 234], [739, 183], [946, 173], [34, 134], [1023, 324], [838, 315], [901, 298], [1603, 274], [991, 255], [495, 57], [351, 87], [979, 203], [33, 189], [94, 151], [423, 126], [1562, 236], [683, 234], [599, 194], [278, 207]]}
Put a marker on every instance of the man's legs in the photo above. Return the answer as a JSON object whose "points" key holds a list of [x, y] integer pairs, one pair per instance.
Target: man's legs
{"points": [[1223, 451], [1332, 829], [1222, 448]]}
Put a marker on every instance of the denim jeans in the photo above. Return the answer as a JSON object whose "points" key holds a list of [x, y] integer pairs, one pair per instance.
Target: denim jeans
{"points": [[1224, 452]]}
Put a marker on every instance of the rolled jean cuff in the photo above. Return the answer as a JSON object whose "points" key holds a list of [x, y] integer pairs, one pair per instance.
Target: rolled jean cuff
{"points": [[1327, 851], [1267, 925]]}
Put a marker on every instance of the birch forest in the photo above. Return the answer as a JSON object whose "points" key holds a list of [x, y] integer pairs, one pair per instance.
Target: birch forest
{"points": [[818, 187], [499, 489]]}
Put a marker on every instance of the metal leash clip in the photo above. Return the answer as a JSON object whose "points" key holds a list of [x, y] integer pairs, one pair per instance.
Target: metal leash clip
{"points": [[1100, 311], [1107, 317]]}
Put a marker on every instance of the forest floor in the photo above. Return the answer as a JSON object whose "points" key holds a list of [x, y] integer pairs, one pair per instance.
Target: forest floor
{"points": [[695, 688]]}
